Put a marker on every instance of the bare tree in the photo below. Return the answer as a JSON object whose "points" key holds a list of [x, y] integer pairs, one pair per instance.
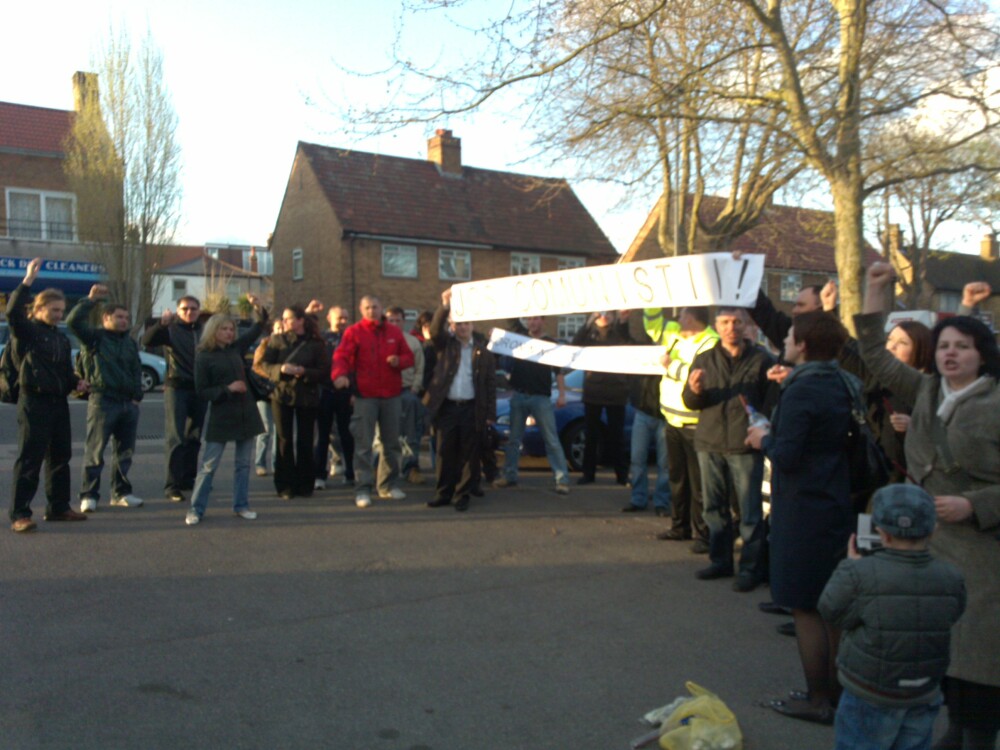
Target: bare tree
{"points": [[830, 74], [123, 162]]}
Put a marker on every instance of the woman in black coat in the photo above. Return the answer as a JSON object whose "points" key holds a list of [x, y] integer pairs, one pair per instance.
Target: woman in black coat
{"points": [[607, 392], [220, 379], [811, 513]]}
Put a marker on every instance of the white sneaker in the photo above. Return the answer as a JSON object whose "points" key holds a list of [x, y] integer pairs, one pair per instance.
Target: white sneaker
{"points": [[88, 505], [247, 515], [192, 518], [362, 500], [393, 494], [319, 484], [128, 501]]}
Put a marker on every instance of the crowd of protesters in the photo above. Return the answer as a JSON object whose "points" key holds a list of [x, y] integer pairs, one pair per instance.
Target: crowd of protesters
{"points": [[884, 638]]}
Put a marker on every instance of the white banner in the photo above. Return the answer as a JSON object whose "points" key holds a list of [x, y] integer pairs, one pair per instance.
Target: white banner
{"points": [[636, 360], [690, 280]]}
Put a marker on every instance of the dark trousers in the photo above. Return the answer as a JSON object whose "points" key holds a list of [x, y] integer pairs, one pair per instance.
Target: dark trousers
{"points": [[457, 449], [183, 417], [293, 463], [43, 435], [113, 420], [614, 434], [334, 409], [685, 482]]}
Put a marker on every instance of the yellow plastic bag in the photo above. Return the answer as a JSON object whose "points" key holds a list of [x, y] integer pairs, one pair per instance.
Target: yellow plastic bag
{"points": [[702, 723]]}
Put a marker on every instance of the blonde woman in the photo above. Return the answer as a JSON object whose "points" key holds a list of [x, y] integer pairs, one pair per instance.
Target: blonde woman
{"points": [[220, 379]]}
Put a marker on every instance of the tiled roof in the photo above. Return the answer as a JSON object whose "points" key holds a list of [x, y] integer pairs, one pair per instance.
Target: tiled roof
{"points": [[950, 272], [793, 238], [410, 198], [35, 129]]}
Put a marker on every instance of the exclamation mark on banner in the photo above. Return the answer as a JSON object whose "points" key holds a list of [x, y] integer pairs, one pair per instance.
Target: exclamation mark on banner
{"points": [[743, 273], [718, 279]]}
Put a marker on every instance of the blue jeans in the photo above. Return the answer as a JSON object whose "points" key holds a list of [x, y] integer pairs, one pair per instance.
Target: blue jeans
{"points": [[724, 475], [862, 725], [540, 407], [646, 430], [210, 458], [115, 420], [266, 439]]}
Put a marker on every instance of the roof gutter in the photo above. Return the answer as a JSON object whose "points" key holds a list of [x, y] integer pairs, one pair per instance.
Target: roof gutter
{"points": [[436, 243]]}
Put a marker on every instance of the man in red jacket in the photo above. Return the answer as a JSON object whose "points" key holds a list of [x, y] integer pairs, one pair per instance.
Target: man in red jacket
{"points": [[372, 354]]}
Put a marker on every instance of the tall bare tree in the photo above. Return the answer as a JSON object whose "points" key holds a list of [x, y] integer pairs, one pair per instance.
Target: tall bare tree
{"points": [[829, 75], [124, 164]]}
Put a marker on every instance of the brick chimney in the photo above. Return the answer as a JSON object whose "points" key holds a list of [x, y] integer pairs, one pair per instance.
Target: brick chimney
{"points": [[446, 151], [84, 87], [988, 249]]}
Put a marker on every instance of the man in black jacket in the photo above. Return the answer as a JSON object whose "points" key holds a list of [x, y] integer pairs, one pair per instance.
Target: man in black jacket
{"points": [[461, 403], [183, 410], [722, 380]]}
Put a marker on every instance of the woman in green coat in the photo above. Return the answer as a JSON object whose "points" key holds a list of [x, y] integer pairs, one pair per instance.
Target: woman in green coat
{"points": [[220, 379]]}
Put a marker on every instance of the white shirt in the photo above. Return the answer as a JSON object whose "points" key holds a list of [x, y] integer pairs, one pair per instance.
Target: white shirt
{"points": [[461, 386]]}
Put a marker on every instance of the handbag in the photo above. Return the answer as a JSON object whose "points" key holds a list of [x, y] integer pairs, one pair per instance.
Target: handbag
{"points": [[867, 464], [259, 387]]}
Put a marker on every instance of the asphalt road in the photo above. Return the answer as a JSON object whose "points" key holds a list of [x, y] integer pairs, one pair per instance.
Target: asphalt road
{"points": [[533, 621]]}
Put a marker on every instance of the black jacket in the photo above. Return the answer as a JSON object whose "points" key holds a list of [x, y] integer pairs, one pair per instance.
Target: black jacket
{"points": [[722, 424], [112, 360], [448, 352], [44, 353], [179, 341], [604, 388]]}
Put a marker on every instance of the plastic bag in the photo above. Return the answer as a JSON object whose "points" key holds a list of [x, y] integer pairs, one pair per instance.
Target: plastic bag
{"points": [[702, 722]]}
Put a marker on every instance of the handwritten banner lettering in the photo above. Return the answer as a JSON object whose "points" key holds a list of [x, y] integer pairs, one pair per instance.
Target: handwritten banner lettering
{"points": [[638, 360], [691, 280]]}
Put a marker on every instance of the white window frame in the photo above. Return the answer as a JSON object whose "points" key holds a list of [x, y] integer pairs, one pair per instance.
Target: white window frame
{"points": [[454, 255], [525, 263], [563, 263], [265, 262], [43, 229], [179, 289], [568, 325], [791, 285], [298, 265], [400, 251]]}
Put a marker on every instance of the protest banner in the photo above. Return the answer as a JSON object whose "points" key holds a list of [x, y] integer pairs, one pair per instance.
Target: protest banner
{"points": [[690, 280], [637, 360]]}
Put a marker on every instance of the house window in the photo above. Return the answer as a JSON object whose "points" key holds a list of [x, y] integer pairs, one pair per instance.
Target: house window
{"points": [[948, 302], [180, 289], [399, 261], [212, 252], [38, 215], [298, 267], [791, 285], [233, 290], [569, 325], [521, 264], [454, 265], [248, 260], [563, 263], [265, 262]]}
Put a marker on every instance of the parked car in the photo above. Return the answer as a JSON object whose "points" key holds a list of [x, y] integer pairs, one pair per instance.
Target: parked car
{"points": [[569, 425], [154, 368]]}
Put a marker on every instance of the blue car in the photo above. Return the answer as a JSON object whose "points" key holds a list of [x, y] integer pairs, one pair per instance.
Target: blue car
{"points": [[569, 425]]}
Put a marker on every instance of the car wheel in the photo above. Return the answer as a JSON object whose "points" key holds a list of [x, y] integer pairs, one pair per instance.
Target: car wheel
{"points": [[573, 440], [149, 379]]}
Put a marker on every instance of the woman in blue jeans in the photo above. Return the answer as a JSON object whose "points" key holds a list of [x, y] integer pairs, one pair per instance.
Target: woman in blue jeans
{"points": [[220, 379]]}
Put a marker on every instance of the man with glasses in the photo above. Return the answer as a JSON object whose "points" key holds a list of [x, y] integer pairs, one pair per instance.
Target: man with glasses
{"points": [[183, 410]]}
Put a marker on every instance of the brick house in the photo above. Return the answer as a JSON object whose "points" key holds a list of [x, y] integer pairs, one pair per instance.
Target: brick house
{"points": [[353, 223], [38, 212], [798, 244]]}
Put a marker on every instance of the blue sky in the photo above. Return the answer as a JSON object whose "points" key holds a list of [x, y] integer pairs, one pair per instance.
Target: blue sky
{"points": [[248, 80]]}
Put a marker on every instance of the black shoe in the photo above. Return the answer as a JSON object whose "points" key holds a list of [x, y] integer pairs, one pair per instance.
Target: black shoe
{"points": [[661, 512], [699, 547], [714, 571], [286, 495], [674, 535], [477, 492], [746, 582], [439, 503], [462, 505], [770, 608], [633, 509], [786, 628], [175, 496], [585, 480], [622, 481]]}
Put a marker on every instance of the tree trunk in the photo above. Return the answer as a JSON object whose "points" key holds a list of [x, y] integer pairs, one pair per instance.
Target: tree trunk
{"points": [[849, 244]]}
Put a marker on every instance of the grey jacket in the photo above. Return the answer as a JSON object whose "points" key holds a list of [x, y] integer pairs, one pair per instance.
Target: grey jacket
{"points": [[896, 609], [973, 435]]}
